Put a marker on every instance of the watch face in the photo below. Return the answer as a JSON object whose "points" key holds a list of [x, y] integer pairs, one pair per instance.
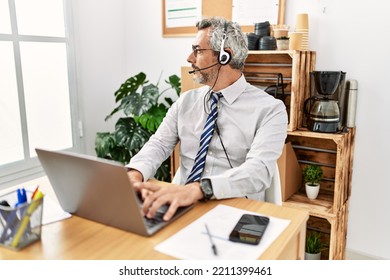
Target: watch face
{"points": [[206, 188]]}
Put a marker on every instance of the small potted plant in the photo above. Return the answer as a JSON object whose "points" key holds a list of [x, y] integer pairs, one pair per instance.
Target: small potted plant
{"points": [[312, 175], [282, 43], [314, 246]]}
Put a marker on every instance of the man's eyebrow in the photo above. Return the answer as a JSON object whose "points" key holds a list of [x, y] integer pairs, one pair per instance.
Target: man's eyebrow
{"points": [[195, 47]]}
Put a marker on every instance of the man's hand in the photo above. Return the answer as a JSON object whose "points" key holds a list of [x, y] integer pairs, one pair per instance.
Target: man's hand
{"points": [[136, 177], [161, 193]]}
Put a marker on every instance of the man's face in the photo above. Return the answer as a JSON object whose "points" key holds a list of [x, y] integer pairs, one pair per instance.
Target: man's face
{"points": [[203, 56]]}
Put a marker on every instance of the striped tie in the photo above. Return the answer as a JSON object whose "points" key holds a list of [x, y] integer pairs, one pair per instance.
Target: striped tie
{"points": [[205, 139]]}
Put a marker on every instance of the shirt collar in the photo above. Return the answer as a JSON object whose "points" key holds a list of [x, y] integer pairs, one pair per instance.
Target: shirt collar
{"points": [[232, 92]]}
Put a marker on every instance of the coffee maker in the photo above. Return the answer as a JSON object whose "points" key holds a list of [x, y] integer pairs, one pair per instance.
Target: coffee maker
{"points": [[324, 110]]}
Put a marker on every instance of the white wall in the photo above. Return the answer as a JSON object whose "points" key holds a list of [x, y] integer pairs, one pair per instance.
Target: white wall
{"points": [[118, 38], [100, 61]]}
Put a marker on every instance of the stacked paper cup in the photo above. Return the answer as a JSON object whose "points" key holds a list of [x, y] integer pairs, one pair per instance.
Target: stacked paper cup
{"points": [[299, 39]]}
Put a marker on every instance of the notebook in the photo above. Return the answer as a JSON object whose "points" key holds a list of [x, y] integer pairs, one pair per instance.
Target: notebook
{"points": [[99, 190]]}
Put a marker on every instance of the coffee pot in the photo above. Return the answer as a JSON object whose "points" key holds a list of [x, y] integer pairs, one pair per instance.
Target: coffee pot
{"points": [[322, 109]]}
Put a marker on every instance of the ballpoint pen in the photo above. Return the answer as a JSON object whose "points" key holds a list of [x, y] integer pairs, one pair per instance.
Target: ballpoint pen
{"points": [[11, 217], [211, 240], [22, 197]]}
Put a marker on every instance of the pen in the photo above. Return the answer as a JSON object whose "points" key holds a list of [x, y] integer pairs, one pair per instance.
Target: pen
{"points": [[211, 240], [11, 220], [22, 197]]}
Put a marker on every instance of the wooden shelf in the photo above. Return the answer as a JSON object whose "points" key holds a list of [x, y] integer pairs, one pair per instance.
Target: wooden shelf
{"points": [[329, 211], [333, 152], [320, 207]]}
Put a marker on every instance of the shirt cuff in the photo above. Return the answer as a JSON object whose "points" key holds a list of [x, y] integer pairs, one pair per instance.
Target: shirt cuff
{"points": [[222, 188], [141, 168]]}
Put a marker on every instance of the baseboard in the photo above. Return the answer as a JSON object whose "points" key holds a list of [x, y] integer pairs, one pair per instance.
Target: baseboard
{"points": [[356, 255]]}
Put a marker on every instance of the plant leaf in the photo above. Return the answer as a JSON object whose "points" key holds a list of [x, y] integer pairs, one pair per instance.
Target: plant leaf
{"points": [[164, 171], [152, 119], [175, 83], [104, 143], [138, 104], [121, 154], [130, 134], [131, 85]]}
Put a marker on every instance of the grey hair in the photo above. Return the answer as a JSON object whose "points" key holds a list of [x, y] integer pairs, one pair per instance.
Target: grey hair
{"points": [[236, 40]]}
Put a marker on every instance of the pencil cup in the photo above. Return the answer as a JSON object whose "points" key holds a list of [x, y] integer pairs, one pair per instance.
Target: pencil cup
{"points": [[20, 225]]}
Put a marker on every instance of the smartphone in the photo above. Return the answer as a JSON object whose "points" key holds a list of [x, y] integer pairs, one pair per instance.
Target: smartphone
{"points": [[249, 229]]}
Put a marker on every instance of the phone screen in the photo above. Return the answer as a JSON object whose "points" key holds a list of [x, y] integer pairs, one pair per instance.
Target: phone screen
{"points": [[249, 229]]}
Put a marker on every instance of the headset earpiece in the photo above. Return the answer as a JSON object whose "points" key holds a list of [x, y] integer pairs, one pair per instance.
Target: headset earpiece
{"points": [[224, 55]]}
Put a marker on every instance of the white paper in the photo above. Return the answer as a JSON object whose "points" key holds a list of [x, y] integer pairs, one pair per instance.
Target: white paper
{"points": [[249, 12], [192, 242], [179, 13], [52, 211]]}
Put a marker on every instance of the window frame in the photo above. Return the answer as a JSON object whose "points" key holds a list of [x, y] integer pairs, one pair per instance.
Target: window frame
{"points": [[30, 167]]}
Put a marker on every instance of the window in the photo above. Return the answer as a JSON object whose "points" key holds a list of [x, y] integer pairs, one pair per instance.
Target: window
{"points": [[37, 100]]}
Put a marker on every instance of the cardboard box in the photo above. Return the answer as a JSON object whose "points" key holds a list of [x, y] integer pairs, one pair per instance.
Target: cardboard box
{"points": [[290, 172]]}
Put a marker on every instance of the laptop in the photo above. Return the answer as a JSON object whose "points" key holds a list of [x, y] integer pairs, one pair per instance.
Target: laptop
{"points": [[99, 190]]}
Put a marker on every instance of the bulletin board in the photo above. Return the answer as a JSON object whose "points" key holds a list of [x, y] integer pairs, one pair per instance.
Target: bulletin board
{"points": [[209, 8]]}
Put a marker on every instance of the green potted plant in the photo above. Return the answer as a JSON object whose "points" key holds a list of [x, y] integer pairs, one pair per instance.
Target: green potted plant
{"points": [[312, 175], [314, 246], [139, 101], [282, 43]]}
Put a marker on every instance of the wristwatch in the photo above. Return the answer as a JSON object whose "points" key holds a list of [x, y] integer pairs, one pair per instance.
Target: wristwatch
{"points": [[207, 189]]}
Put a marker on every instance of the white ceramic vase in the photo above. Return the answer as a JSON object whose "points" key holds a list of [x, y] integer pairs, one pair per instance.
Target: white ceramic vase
{"points": [[309, 256], [312, 190]]}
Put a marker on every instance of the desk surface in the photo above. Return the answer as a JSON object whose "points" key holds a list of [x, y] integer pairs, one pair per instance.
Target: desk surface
{"points": [[80, 239]]}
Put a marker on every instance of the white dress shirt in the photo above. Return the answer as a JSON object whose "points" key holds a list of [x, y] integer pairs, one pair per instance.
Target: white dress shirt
{"points": [[253, 128]]}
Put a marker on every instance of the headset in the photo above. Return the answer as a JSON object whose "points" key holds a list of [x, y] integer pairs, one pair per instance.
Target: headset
{"points": [[224, 55]]}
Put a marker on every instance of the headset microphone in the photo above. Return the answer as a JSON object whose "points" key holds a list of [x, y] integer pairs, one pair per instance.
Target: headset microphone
{"points": [[200, 69]]}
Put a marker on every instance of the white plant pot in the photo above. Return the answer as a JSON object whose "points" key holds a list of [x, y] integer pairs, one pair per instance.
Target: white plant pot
{"points": [[309, 256], [282, 45], [312, 190]]}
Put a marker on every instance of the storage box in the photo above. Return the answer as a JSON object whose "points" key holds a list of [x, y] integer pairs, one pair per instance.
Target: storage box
{"points": [[290, 172], [333, 233], [334, 153], [20, 225]]}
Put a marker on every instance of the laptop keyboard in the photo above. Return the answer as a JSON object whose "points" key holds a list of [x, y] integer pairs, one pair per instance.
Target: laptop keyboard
{"points": [[158, 217]]}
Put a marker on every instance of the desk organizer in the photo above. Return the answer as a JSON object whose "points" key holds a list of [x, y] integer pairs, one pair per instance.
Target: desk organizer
{"points": [[20, 225]]}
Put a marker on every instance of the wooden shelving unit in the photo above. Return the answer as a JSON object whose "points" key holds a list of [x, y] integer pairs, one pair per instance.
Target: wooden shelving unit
{"points": [[332, 151], [329, 212]]}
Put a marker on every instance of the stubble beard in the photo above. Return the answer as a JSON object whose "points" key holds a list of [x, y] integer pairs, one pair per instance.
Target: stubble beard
{"points": [[207, 78]]}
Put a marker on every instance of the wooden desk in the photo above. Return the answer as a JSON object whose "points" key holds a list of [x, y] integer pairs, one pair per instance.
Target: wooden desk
{"points": [[80, 239]]}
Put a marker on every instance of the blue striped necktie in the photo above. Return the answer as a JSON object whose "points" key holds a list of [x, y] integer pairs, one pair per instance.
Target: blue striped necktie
{"points": [[205, 139]]}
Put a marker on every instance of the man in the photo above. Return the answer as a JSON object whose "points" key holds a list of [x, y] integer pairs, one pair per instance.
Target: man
{"points": [[247, 140]]}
